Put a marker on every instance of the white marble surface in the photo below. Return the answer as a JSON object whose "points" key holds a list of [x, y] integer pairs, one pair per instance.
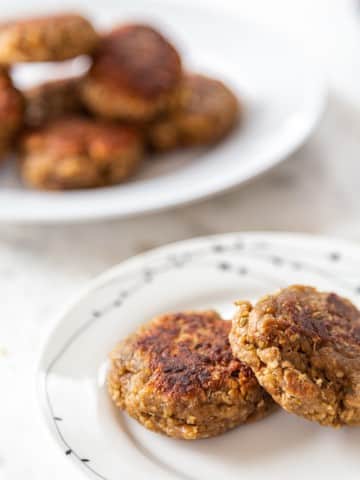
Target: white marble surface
{"points": [[316, 190]]}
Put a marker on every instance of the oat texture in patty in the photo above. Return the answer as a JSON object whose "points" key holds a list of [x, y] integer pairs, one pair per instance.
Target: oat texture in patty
{"points": [[304, 348], [135, 74], [79, 152], [206, 111], [42, 39], [177, 375]]}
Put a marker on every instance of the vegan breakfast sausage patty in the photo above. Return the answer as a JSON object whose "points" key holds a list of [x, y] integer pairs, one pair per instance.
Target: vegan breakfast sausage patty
{"points": [[304, 348], [207, 110], [135, 74], [11, 111], [77, 152], [177, 375], [42, 39]]}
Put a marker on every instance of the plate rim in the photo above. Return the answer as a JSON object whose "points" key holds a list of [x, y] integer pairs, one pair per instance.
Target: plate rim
{"points": [[297, 136], [111, 274]]}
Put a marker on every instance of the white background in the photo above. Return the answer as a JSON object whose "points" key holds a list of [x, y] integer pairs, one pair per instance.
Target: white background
{"points": [[316, 191]]}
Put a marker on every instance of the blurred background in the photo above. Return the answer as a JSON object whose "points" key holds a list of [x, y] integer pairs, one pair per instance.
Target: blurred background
{"points": [[316, 190]]}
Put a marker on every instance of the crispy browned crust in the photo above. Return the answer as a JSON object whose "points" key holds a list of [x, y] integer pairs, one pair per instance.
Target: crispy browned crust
{"points": [[11, 111], [183, 356], [48, 38], [177, 375], [77, 152], [304, 348], [135, 74], [138, 59], [207, 110], [53, 99]]}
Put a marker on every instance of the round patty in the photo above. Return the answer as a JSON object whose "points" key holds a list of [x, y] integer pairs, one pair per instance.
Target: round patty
{"points": [[304, 348], [11, 111], [207, 110], [177, 375], [76, 152], [135, 74], [42, 39], [52, 99]]}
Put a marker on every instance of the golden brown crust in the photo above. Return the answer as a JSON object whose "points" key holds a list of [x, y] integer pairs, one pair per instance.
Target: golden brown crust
{"points": [[76, 152], [177, 375], [11, 111], [53, 99], [304, 348], [135, 74], [49, 38], [207, 110]]}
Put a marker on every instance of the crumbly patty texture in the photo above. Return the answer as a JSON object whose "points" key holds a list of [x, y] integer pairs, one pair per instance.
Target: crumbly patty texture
{"points": [[77, 152], [176, 375], [11, 111], [42, 39], [304, 348], [135, 74], [207, 110], [52, 99]]}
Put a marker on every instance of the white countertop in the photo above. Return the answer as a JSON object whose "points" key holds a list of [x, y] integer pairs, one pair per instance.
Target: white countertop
{"points": [[317, 190]]}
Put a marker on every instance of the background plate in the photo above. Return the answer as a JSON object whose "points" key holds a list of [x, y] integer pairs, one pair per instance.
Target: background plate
{"points": [[203, 273], [282, 90]]}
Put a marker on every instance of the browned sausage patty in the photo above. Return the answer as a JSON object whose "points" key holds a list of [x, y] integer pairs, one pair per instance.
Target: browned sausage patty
{"points": [[207, 110], [11, 111], [176, 375], [42, 39], [52, 99], [135, 74], [76, 152], [304, 348]]}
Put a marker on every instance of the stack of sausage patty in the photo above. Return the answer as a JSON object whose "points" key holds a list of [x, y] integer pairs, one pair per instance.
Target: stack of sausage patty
{"points": [[95, 129]]}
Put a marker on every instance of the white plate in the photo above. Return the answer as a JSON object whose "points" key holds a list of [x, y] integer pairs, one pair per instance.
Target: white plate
{"points": [[202, 273], [282, 90]]}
